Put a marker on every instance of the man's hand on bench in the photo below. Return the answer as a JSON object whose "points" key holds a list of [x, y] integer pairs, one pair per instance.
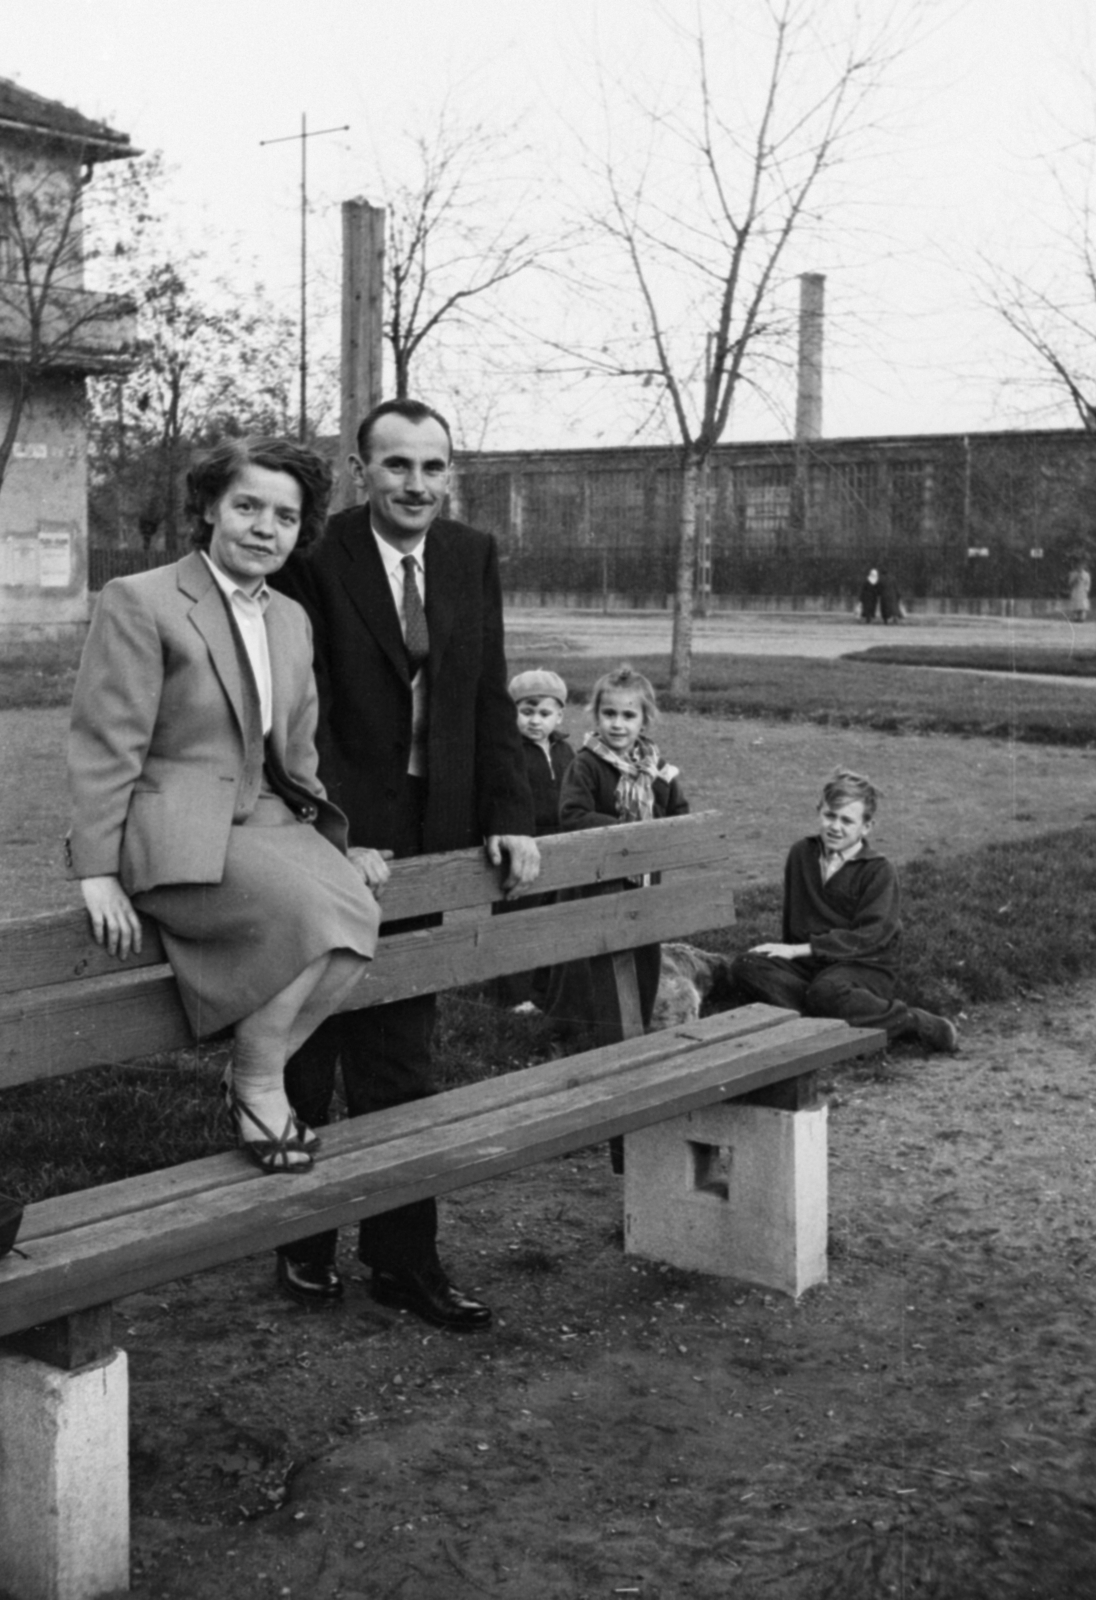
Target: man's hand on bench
{"points": [[521, 855], [113, 919]]}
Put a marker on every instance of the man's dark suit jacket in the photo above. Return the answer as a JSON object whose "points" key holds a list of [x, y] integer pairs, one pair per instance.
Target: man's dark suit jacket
{"points": [[476, 784]]}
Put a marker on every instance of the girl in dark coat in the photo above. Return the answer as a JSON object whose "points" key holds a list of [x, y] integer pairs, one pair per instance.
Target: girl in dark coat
{"points": [[618, 776]]}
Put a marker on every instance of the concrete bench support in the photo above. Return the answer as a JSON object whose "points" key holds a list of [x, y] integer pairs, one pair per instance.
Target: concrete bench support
{"points": [[735, 1190], [64, 1477]]}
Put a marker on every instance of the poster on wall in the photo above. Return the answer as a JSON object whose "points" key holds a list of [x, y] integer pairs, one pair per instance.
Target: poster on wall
{"points": [[19, 561], [54, 558], [42, 560]]}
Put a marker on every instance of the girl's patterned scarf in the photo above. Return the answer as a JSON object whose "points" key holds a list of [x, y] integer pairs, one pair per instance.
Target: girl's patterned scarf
{"points": [[635, 795]]}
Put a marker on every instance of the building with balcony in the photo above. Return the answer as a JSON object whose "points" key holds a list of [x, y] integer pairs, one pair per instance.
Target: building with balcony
{"points": [[54, 334]]}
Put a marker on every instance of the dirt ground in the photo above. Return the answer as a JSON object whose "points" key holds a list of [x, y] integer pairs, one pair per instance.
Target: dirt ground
{"points": [[921, 1427]]}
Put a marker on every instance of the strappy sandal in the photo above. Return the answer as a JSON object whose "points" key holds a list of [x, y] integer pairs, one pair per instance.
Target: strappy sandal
{"points": [[270, 1153], [308, 1136]]}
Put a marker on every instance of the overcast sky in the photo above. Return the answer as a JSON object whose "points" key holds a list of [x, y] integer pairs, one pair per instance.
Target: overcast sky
{"points": [[957, 171]]}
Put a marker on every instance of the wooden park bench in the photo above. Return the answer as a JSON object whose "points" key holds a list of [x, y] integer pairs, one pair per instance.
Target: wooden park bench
{"points": [[725, 1142]]}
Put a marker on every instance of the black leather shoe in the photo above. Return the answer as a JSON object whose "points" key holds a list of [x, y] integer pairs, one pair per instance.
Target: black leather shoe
{"points": [[430, 1295], [310, 1283]]}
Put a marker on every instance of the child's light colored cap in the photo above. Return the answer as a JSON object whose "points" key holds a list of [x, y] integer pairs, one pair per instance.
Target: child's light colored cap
{"points": [[536, 682]]}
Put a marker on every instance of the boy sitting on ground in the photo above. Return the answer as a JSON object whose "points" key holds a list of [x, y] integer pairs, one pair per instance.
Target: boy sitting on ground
{"points": [[842, 934]]}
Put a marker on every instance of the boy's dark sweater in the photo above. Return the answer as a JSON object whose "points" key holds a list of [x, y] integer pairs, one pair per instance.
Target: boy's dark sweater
{"points": [[545, 780], [854, 918]]}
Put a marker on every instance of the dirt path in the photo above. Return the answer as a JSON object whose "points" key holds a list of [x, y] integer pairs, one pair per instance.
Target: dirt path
{"points": [[821, 634], [920, 1427]]}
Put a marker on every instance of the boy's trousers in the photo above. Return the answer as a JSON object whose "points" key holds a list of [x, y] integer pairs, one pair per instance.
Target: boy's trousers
{"points": [[860, 996]]}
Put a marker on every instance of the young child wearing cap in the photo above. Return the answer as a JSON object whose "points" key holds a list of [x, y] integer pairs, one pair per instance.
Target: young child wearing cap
{"points": [[539, 696]]}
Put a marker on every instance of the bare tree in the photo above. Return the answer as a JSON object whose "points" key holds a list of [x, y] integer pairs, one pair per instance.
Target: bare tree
{"points": [[49, 322], [212, 357], [699, 217], [1050, 303], [454, 232]]}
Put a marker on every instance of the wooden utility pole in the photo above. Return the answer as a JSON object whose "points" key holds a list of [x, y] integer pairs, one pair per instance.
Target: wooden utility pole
{"points": [[362, 328], [305, 134]]}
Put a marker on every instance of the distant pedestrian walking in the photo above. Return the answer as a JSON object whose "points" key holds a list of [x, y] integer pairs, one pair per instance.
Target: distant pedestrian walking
{"points": [[1080, 587], [890, 603], [869, 596]]}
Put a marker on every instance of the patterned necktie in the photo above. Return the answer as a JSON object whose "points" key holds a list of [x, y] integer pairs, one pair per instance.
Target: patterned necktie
{"points": [[416, 637]]}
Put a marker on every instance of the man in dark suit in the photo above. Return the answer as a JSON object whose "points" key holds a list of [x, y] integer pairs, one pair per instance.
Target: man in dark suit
{"points": [[419, 746]]}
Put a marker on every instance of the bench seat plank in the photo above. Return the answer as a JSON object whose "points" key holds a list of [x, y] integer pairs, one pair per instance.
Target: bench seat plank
{"points": [[525, 1086], [592, 1098], [52, 1030]]}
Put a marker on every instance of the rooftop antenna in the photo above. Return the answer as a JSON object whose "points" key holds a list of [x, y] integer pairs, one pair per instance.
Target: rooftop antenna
{"points": [[304, 136]]}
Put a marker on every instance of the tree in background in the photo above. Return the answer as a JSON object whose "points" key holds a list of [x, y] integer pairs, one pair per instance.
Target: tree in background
{"points": [[453, 233], [49, 323], [1050, 302], [211, 361], [704, 183], [213, 358]]}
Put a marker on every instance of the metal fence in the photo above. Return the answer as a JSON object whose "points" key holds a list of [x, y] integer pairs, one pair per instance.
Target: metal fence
{"points": [[952, 518], [106, 564]]}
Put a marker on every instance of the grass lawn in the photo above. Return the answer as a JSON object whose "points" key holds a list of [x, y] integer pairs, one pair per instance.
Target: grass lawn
{"points": [[869, 690], [852, 694], [1072, 663]]}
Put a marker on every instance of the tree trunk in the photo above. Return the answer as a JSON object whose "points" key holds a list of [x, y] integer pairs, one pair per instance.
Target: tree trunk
{"points": [[681, 649], [169, 463], [15, 417], [403, 370], [171, 504]]}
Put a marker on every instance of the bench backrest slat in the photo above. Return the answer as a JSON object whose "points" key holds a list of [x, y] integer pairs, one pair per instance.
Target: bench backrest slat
{"points": [[54, 947], [115, 1014], [117, 1018]]}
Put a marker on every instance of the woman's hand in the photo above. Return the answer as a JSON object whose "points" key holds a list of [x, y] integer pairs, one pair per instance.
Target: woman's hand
{"points": [[373, 866], [113, 919]]}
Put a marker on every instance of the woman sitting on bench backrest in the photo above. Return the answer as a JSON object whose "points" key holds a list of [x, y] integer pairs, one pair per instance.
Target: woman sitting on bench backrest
{"points": [[192, 769]]}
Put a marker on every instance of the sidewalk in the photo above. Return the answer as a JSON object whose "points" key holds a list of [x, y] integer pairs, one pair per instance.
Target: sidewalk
{"points": [[824, 635]]}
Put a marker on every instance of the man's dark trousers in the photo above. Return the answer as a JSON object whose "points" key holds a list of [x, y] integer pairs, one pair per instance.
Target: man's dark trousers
{"points": [[384, 1052], [475, 788]]}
